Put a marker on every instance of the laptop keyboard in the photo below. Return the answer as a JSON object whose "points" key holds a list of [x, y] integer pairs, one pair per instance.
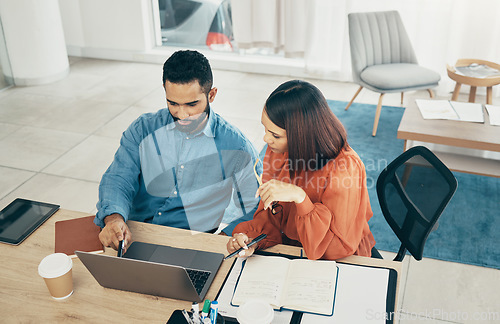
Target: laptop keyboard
{"points": [[198, 278]]}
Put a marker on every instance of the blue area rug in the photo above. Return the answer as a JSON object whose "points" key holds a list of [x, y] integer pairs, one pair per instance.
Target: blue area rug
{"points": [[469, 228]]}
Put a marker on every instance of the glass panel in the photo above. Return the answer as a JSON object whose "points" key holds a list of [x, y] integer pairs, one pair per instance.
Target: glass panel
{"points": [[6, 79], [201, 24], [196, 24], [175, 12]]}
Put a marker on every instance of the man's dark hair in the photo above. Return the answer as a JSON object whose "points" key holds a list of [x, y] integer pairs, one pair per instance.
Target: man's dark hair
{"points": [[187, 66]]}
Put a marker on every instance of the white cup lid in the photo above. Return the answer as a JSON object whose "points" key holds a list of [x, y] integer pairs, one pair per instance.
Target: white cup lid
{"points": [[54, 265], [255, 312]]}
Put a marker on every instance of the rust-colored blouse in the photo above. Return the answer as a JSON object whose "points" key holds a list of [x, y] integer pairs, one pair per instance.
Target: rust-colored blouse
{"points": [[331, 222]]}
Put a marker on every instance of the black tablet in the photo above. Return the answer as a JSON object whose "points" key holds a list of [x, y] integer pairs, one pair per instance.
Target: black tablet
{"points": [[21, 218]]}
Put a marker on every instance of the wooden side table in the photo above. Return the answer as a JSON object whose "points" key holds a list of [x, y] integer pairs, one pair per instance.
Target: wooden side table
{"points": [[460, 79]]}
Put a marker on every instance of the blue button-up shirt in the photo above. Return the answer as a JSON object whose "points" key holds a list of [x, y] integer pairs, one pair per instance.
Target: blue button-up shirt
{"points": [[161, 175]]}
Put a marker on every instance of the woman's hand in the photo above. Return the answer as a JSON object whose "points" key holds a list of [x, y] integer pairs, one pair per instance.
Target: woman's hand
{"points": [[238, 241], [275, 190]]}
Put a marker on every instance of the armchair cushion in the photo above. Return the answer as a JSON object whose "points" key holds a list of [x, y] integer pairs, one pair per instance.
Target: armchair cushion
{"points": [[399, 76]]}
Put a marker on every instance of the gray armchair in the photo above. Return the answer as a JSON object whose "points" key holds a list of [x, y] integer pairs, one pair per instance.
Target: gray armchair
{"points": [[383, 59]]}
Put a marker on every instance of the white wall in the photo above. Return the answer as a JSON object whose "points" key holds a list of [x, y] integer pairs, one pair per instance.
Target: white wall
{"points": [[115, 29], [34, 40], [72, 23]]}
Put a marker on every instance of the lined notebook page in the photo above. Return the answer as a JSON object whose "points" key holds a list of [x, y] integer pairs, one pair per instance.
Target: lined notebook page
{"points": [[361, 297]]}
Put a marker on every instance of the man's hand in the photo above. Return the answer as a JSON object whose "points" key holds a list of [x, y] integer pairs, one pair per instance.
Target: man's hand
{"points": [[115, 231], [240, 240]]}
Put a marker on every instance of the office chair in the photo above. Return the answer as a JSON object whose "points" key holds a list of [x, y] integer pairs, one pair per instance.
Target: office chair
{"points": [[413, 191], [383, 59]]}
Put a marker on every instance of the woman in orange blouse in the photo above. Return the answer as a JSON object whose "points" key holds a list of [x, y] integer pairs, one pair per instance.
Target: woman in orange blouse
{"points": [[314, 191]]}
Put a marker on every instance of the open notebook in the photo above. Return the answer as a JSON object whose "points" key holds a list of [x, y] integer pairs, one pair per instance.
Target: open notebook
{"points": [[299, 284], [378, 287]]}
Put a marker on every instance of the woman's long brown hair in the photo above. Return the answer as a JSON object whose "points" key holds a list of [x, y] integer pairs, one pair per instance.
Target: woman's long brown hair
{"points": [[314, 134]]}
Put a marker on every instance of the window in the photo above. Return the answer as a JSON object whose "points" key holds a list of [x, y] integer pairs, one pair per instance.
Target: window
{"points": [[200, 23]]}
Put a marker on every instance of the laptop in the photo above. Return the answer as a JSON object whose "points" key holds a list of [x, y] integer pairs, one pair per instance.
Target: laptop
{"points": [[156, 270]]}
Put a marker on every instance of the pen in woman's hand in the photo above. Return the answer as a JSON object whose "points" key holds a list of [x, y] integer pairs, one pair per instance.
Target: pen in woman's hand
{"points": [[255, 241]]}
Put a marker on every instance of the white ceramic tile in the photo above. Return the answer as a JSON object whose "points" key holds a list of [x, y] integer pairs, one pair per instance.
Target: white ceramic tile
{"points": [[227, 79], [154, 100], [258, 139], [69, 193], [334, 90], [260, 82], [249, 127], [31, 148], [74, 59], [120, 123], [23, 108], [75, 85], [96, 66], [87, 161], [125, 92], [451, 291], [240, 103], [6, 129], [11, 179], [80, 116], [132, 70]]}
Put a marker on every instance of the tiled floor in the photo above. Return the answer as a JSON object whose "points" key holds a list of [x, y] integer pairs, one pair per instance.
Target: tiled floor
{"points": [[56, 140]]}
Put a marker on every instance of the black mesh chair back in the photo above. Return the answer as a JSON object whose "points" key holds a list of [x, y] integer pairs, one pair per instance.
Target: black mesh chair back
{"points": [[413, 191]]}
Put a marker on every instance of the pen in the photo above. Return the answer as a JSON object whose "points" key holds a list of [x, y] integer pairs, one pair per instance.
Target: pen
{"points": [[255, 241], [196, 313], [206, 309], [186, 316], [213, 311], [120, 249]]}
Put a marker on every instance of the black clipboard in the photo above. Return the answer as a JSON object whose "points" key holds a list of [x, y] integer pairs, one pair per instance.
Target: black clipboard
{"points": [[297, 316]]}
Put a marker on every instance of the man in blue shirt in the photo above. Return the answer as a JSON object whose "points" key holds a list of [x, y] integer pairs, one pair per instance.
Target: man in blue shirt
{"points": [[183, 166]]}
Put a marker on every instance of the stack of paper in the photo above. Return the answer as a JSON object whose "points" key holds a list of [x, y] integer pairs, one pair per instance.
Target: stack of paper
{"points": [[494, 113], [471, 112], [436, 109], [452, 110]]}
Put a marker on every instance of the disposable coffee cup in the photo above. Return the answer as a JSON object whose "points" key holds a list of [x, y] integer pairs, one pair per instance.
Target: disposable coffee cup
{"points": [[255, 312], [56, 270]]}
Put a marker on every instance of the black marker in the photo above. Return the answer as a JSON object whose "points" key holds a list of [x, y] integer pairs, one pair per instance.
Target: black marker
{"points": [[255, 241], [120, 249]]}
